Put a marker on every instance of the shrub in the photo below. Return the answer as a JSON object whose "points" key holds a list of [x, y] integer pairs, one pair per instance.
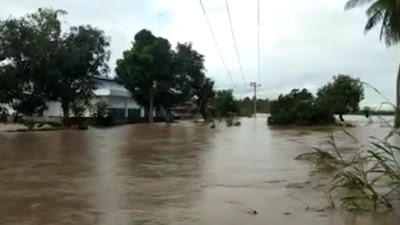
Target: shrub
{"points": [[299, 108]]}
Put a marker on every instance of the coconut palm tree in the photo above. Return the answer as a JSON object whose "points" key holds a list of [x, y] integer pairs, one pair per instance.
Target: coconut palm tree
{"points": [[386, 14]]}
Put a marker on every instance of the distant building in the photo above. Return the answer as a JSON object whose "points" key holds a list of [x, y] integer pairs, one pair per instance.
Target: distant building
{"points": [[118, 98], [185, 110]]}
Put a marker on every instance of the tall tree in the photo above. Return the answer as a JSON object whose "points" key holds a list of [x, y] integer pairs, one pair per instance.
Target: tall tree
{"points": [[341, 96], [386, 14], [81, 56], [205, 94], [146, 68], [191, 73], [26, 47], [40, 63]]}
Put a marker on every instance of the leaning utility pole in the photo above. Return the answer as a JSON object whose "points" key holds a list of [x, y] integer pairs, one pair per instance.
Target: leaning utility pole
{"points": [[255, 86]]}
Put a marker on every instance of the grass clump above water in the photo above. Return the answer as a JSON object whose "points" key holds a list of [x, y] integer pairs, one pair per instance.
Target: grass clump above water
{"points": [[367, 179]]}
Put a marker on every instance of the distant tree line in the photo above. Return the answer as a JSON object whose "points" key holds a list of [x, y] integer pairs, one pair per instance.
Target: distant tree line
{"points": [[371, 111], [246, 106], [224, 103]]}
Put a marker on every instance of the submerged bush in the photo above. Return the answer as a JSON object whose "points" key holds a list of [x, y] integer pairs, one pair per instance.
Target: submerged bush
{"points": [[299, 108], [340, 96]]}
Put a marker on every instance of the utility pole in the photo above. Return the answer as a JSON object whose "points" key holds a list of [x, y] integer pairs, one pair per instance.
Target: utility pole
{"points": [[255, 86]]}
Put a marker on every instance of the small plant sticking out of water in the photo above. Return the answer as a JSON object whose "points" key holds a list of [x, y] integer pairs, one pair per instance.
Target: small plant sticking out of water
{"points": [[358, 192], [326, 161], [230, 120], [369, 180]]}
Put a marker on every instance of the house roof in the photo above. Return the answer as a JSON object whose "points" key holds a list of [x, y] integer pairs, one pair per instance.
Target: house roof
{"points": [[109, 87]]}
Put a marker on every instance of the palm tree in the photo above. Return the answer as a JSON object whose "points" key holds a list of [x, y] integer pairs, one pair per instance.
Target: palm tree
{"points": [[386, 14]]}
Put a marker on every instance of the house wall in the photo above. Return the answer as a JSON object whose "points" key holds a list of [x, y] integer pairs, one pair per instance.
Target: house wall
{"points": [[116, 103], [123, 107], [119, 102], [8, 108], [53, 109], [115, 95]]}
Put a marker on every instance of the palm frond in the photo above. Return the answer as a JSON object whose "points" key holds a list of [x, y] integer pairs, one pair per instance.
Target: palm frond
{"points": [[377, 6], [351, 4], [392, 27], [373, 21]]}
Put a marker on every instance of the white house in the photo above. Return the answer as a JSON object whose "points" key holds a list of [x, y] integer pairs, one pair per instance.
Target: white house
{"points": [[118, 98]]}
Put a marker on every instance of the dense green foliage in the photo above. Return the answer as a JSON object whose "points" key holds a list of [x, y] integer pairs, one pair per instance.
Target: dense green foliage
{"points": [[80, 57], [100, 109], [40, 63], [246, 106], [225, 104], [298, 107], [341, 96], [158, 76], [146, 69]]}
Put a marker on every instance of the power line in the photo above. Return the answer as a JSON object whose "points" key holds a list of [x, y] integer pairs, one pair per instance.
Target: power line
{"points": [[258, 40], [234, 41], [216, 44]]}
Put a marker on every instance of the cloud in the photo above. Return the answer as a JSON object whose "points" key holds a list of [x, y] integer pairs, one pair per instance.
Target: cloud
{"points": [[303, 43]]}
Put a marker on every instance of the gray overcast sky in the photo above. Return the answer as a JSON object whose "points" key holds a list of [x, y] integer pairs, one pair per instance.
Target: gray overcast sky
{"points": [[303, 42]]}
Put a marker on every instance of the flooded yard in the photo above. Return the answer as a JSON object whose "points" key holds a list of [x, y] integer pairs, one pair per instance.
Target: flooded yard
{"points": [[181, 173]]}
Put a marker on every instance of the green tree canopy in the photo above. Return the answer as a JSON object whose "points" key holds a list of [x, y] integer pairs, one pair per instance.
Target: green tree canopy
{"points": [[41, 63], [187, 68], [191, 75], [81, 56], [341, 96], [225, 103], [298, 107], [26, 47], [158, 76], [146, 70]]}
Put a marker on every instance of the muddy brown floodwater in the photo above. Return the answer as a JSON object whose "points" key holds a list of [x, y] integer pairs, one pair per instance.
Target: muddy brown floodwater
{"points": [[182, 173]]}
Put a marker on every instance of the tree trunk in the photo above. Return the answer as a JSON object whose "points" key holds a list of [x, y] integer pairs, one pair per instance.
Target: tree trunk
{"points": [[146, 112], [65, 108], [341, 117], [151, 100], [397, 117], [168, 115], [204, 112]]}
